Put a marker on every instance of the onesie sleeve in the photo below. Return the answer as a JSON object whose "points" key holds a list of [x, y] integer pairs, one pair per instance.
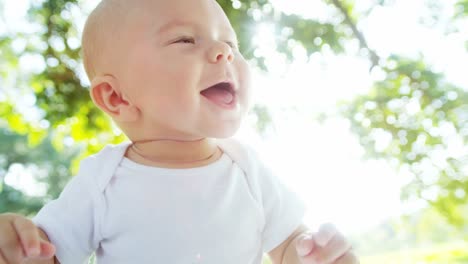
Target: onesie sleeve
{"points": [[72, 221], [283, 209]]}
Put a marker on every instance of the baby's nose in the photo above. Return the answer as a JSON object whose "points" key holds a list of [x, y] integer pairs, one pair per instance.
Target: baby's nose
{"points": [[221, 51]]}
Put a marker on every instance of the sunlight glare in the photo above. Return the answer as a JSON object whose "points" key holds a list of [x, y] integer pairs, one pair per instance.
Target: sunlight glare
{"points": [[265, 37], [21, 178]]}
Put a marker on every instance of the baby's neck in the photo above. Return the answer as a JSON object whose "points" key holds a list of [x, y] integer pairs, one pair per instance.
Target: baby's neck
{"points": [[174, 153]]}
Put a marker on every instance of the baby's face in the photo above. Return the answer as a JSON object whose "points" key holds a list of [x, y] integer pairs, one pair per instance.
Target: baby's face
{"points": [[182, 69]]}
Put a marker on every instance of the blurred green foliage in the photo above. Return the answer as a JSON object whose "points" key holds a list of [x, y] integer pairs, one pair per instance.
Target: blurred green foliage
{"points": [[441, 254], [415, 118], [50, 166], [462, 8]]}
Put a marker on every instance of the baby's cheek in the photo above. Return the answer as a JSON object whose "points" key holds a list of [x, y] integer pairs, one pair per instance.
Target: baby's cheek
{"points": [[242, 74], [245, 92]]}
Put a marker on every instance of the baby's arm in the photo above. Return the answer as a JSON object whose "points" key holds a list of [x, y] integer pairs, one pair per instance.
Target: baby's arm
{"points": [[22, 242]]}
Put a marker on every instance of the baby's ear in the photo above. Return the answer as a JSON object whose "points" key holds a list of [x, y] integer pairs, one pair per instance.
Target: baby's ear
{"points": [[106, 94]]}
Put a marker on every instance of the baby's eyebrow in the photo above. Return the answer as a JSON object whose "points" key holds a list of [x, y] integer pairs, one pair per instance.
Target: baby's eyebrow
{"points": [[181, 23], [173, 24]]}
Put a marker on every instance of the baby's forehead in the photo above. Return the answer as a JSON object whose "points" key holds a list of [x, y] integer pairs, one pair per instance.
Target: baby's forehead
{"points": [[176, 23], [164, 14]]}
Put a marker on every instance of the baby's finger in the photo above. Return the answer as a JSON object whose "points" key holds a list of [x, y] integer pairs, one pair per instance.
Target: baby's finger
{"points": [[304, 245], [2, 259], [335, 249], [325, 234], [47, 250], [348, 258], [28, 236], [47, 254], [10, 246]]}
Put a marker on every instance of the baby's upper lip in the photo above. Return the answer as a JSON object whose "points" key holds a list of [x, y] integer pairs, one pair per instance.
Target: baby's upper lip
{"points": [[225, 81]]}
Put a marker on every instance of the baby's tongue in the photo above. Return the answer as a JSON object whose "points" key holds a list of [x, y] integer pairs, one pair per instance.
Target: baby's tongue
{"points": [[218, 95]]}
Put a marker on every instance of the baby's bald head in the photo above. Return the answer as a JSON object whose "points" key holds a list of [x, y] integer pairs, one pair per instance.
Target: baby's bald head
{"points": [[112, 26], [102, 35]]}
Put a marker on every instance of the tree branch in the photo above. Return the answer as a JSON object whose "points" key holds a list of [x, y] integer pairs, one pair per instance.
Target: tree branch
{"points": [[374, 58]]}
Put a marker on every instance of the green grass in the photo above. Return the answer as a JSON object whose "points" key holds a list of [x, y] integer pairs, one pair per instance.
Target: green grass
{"points": [[444, 254], [266, 260]]}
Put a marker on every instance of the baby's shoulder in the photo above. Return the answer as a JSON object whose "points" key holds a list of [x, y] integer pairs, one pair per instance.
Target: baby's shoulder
{"points": [[98, 169]]}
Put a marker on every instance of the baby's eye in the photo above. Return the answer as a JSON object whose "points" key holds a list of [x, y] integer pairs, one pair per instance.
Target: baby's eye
{"points": [[232, 44], [185, 40]]}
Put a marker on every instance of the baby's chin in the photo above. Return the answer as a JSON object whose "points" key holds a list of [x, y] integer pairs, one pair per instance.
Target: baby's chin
{"points": [[226, 131], [223, 135]]}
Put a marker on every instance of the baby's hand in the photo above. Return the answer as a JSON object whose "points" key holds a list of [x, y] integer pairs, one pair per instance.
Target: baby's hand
{"points": [[327, 246], [20, 240]]}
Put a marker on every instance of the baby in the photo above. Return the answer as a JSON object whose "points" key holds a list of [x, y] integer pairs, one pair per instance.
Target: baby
{"points": [[170, 74]]}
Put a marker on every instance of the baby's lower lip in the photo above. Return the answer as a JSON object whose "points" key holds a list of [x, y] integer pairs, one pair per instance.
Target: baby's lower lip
{"points": [[229, 106]]}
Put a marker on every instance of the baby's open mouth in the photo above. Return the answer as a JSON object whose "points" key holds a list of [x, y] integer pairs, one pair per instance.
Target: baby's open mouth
{"points": [[222, 93]]}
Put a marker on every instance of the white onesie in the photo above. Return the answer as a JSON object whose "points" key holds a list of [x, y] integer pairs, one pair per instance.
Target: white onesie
{"points": [[231, 211]]}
